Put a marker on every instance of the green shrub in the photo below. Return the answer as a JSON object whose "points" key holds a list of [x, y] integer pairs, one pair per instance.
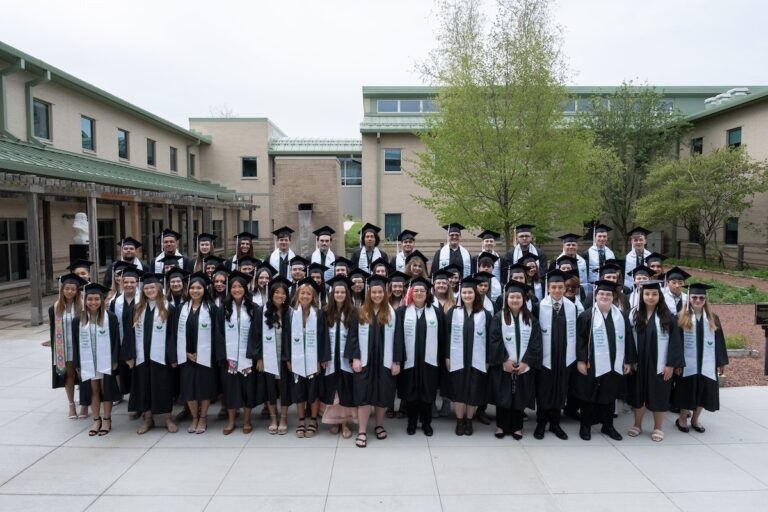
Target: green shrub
{"points": [[736, 341]]}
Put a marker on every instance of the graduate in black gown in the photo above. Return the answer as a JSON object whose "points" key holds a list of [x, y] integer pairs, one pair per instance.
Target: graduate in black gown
{"points": [[242, 385], [515, 353], [266, 350], [149, 349], [336, 388], [420, 329], [376, 359], [659, 353], [368, 252], [127, 282], [557, 319], [96, 344], [82, 269], [176, 292], [697, 386], [306, 352], [466, 355], [60, 317], [605, 353], [195, 326]]}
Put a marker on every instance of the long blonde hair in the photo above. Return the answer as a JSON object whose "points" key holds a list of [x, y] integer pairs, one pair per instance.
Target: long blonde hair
{"points": [[61, 303], [366, 310], [142, 303], [685, 320]]}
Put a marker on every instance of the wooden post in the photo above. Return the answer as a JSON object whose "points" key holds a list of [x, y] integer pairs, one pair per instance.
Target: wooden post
{"points": [[149, 248], [207, 220], [33, 241], [167, 217], [121, 217], [93, 234], [740, 257], [190, 234], [47, 247], [225, 230]]}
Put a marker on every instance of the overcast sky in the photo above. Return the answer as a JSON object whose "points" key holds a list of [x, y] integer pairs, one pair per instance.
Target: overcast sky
{"points": [[303, 63]]}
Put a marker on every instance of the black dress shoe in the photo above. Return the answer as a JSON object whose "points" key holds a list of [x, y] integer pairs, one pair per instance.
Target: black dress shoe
{"points": [[559, 432], [468, 428], [680, 428], [698, 428], [585, 433], [411, 429], [611, 432], [459, 427], [539, 432], [427, 430], [499, 435], [517, 437], [482, 417]]}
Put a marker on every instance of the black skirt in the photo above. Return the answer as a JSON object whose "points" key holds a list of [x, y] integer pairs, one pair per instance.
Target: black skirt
{"points": [[151, 388], [197, 382], [242, 390]]}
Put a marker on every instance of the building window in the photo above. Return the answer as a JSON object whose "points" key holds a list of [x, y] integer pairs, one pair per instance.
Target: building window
{"points": [[697, 146], [106, 235], [429, 106], [351, 172], [734, 138], [252, 227], [41, 116], [249, 167], [122, 143], [217, 229], [409, 106], [392, 225], [693, 233], [14, 260], [174, 160], [88, 133], [569, 107], [151, 158], [192, 164], [393, 160], [386, 106], [732, 231]]}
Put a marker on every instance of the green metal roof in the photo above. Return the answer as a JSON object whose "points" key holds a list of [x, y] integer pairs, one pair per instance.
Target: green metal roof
{"points": [[731, 104], [38, 67], [27, 158], [397, 123], [308, 146]]}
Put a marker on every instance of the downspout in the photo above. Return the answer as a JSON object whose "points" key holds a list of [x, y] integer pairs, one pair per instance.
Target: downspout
{"points": [[30, 114], [20, 65], [379, 157], [189, 157]]}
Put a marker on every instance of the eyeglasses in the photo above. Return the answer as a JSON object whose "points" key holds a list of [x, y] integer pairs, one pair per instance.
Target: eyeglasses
{"points": [[697, 297]]}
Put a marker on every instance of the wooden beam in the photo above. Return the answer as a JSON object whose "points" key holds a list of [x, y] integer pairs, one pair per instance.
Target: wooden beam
{"points": [[93, 236], [190, 234], [33, 241], [48, 247]]}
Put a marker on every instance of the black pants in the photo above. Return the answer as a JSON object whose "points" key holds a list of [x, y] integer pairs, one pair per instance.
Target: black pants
{"points": [[548, 415], [419, 411], [509, 420], [592, 414], [572, 405]]}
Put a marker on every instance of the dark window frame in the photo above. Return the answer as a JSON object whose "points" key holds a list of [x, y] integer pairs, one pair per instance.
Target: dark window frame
{"points": [[151, 154], [14, 249], [173, 155], [36, 125], [126, 153], [391, 232], [731, 231], [92, 125], [697, 146], [392, 169], [729, 133], [106, 241], [245, 166]]}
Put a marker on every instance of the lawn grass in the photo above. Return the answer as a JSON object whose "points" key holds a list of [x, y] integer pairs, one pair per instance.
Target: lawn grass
{"points": [[726, 294], [761, 273]]}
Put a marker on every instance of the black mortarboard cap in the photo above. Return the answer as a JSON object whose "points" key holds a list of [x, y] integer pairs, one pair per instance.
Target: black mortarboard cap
{"points": [[453, 227], [569, 237], [95, 288], [325, 230], [283, 231], [169, 232], [677, 273], [416, 254], [485, 235], [129, 241], [699, 288], [406, 234], [80, 264], [637, 230], [398, 277]]}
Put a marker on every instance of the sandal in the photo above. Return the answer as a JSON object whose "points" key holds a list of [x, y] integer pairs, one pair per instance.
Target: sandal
{"points": [[95, 431], [105, 431], [681, 429], [391, 412], [282, 428], [247, 428], [657, 435], [362, 440], [228, 430], [72, 411], [192, 426], [346, 433], [311, 428], [83, 413], [381, 434], [634, 431], [272, 429], [698, 428], [202, 425], [301, 430]]}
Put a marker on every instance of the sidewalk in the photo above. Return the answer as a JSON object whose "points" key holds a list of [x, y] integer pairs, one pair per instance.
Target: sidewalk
{"points": [[48, 462]]}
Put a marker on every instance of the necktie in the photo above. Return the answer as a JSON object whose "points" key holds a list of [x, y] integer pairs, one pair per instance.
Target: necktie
{"points": [[556, 307], [601, 253], [322, 258], [639, 260]]}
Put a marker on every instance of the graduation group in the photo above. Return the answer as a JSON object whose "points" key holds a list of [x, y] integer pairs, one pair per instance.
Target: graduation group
{"points": [[342, 339]]}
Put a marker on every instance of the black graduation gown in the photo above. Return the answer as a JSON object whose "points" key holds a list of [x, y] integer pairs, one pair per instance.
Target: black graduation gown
{"points": [[552, 384], [306, 389], [108, 271], [420, 382], [510, 257], [697, 390], [197, 382], [238, 390], [610, 386], [375, 384], [340, 381], [123, 320], [502, 392], [57, 381], [644, 386], [454, 258], [110, 391], [151, 382], [274, 387], [468, 385], [356, 257]]}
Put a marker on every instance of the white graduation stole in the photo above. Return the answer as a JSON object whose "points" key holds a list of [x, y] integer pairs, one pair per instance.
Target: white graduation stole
{"points": [[119, 306], [457, 341], [445, 259], [537, 290], [95, 349], [269, 341], [409, 330], [400, 262], [545, 321], [594, 261], [157, 341], [259, 298], [708, 364], [630, 262], [600, 346], [362, 260], [274, 260], [160, 266], [66, 321], [303, 342], [495, 289], [510, 339], [389, 340], [236, 331], [343, 333], [518, 252], [488, 305], [204, 337], [329, 259]]}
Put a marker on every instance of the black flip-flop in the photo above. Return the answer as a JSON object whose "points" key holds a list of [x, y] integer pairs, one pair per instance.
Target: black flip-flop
{"points": [[381, 434], [698, 429], [362, 440]]}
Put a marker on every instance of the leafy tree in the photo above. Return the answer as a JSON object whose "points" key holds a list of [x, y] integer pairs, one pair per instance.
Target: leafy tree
{"points": [[639, 127], [702, 192], [499, 152]]}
